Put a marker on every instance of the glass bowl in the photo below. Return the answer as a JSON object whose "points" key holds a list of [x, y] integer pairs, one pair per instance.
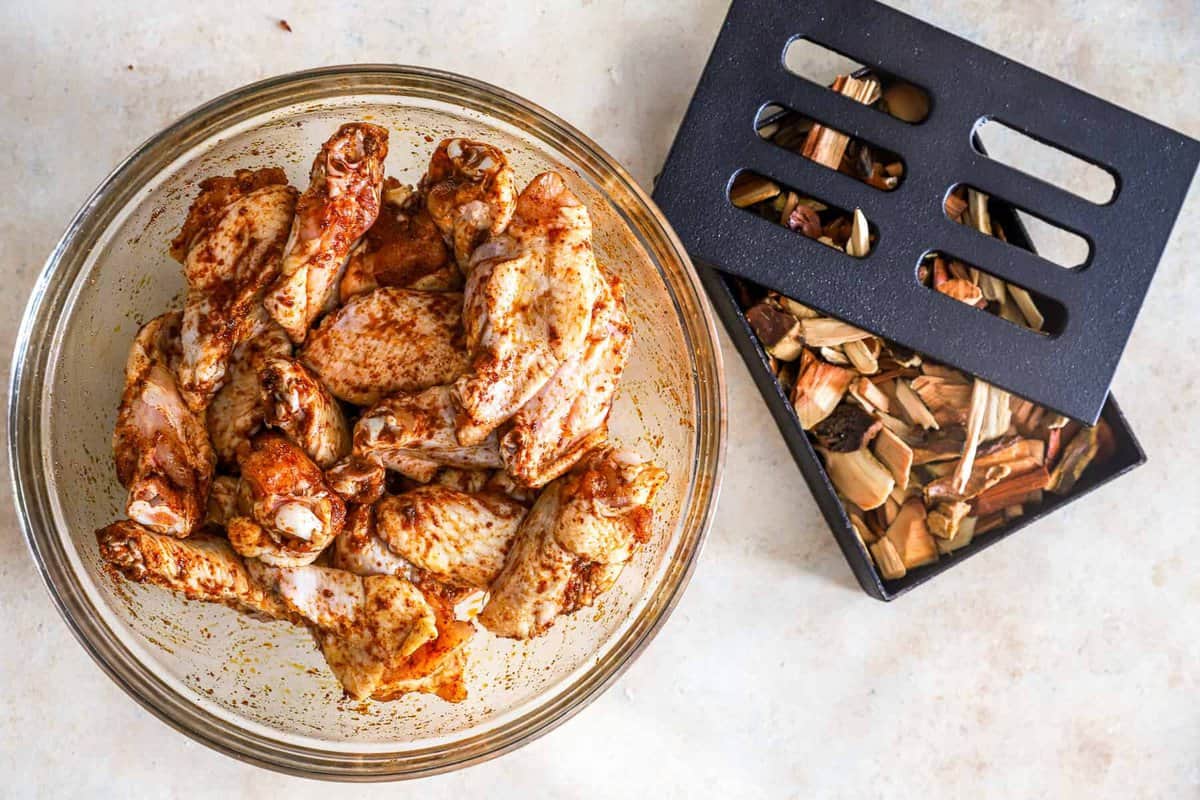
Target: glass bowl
{"points": [[260, 691]]}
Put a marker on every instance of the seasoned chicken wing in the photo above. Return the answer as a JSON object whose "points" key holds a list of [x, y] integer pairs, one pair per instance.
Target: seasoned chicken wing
{"points": [[470, 194], [201, 567], [583, 528], [404, 248], [230, 246], [236, 412], [413, 433], [367, 627], [568, 417], [340, 204], [161, 449], [356, 480], [387, 341], [459, 538], [528, 305], [287, 513], [296, 403]]}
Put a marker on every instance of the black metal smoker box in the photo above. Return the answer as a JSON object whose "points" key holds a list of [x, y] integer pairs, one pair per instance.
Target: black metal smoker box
{"points": [[717, 237]]}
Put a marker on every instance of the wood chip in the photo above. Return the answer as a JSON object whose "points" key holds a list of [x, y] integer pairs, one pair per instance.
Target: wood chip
{"points": [[859, 477], [961, 290], [826, 331], [1076, 457], [893, 453], [978, 481], [749, 189], [859, 243], [914, 407], [975, 417], [909, 534], [1014, 490], [946, 518], [818, 390], [891, 566]]}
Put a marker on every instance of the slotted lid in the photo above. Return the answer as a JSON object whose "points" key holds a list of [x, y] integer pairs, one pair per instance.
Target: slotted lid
{"points": [[1152, 167]]}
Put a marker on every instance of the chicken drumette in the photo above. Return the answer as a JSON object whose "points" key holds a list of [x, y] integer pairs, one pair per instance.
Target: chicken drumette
{"points": [[236, 412], [160, 446], [338, 207], [230, 246], [287, 512], [295, 402], [469, 193], [527, 307]]}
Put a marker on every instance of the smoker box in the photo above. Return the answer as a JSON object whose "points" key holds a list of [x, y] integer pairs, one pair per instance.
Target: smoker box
{"points": [[723, 289]]}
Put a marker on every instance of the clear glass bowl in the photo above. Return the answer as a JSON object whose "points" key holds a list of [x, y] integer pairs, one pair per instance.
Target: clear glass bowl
{"points": [[259, 691]]}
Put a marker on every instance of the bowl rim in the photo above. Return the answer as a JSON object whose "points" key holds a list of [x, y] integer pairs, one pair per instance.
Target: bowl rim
{"points": [[25, 428]]}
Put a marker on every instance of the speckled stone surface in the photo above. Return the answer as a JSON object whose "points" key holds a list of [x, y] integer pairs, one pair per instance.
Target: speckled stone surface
{"points": [[1063, 663]]}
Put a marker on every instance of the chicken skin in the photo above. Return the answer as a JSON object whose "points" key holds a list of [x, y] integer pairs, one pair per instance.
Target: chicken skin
{"points": [[339, 206], [387, 341], [571, 547], [201, 567], [459, 538], [404, 248], [161, 449], [296, 403], [568, 417], [287, 512], [236, 412], [230, 246], [527, 307], [469, 193], [414, 434], [359, 549]]}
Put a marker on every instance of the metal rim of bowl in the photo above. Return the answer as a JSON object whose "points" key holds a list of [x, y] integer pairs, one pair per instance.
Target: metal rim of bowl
{"points": [[28, 425]]}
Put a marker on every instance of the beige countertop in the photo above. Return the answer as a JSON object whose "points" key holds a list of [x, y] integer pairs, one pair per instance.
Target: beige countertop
{"points": [[1064, 662]]}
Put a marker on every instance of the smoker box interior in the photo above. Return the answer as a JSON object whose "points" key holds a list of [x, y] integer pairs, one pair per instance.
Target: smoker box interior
{"points": [[723, 291]]}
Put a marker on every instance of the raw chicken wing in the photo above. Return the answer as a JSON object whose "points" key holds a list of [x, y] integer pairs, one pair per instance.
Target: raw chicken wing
{"points": [[288, 514], [459, 538], [413, 433], [528, 305], [202, 567], [296, 403], [230, 246], [403, 248], [338, 207], [568, 417], [161, 449], [469, 193], [387, 341], [236, 412], [571, 547]]}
